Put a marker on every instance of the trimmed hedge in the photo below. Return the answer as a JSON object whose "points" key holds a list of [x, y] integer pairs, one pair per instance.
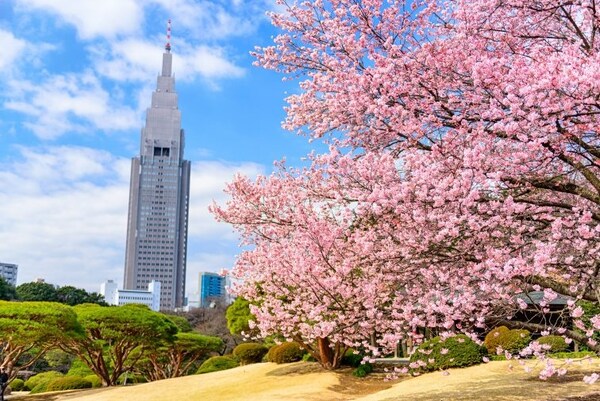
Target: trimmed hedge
{"points": [[68, 383], [95, 380], [79, 368], [286, 353], [17, 384], [556, 343], [509, 340], [40, 380], [454, 352], [248, 353], [217, 363]]}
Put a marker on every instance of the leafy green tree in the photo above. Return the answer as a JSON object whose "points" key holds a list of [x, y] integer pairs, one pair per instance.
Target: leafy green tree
{"points": [[75, 296], [115, 338], [179, 357], [7, 290], [238, 315], [181, 322], [37, 291], [29, 329]]}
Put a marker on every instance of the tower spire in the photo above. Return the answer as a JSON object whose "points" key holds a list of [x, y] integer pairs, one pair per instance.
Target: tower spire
{"points": [[168, 44]]}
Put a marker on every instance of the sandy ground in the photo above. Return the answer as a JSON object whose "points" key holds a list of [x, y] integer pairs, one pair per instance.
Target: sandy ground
{"points": [[306, 381]]}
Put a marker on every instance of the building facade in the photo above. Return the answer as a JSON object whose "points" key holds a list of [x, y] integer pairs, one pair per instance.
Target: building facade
{"points": [[9, 272], [212, 289], [158, 201], [113, 296]]}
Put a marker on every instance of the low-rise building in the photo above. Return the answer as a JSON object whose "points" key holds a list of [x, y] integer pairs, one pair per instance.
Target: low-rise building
{"points": [[114, 296]]}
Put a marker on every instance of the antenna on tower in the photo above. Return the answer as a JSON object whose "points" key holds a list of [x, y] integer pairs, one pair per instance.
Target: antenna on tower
{"points": [[168, 44]]}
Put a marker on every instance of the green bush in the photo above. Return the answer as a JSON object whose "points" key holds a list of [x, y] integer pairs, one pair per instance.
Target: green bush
{"points": [[515, 340], [286, 353], [454, 352], [249, 353], [79, 368], [40, 380], [308, 358], [17, 384], [574, 355], [68, 383], [363, 370], [509, 340], [351, 359], [217, 363], [492, 339], [131, 378], [95, 380], [556, 343]]}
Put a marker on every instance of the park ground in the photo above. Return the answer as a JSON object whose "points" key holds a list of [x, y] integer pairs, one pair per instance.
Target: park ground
{"points": [[501, 380]]}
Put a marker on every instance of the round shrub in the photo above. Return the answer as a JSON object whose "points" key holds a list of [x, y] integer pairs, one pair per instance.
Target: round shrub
{"points": [[68, 383], [286, 353], [515, 340], [40, 380], [79, 368], [351, 359], [216, 363], [556, 343], [509, 340], [363, 370], [249, 353], [492, 339], [95, 380], [17, 384], [454, 352]]}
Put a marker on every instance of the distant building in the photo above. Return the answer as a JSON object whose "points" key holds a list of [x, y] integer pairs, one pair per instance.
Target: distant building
{"points": [[157, 225], [212, 289], [9, 272], [113, 296]]}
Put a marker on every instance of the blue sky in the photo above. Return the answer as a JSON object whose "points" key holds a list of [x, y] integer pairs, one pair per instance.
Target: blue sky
{"points": [[75, 81]]}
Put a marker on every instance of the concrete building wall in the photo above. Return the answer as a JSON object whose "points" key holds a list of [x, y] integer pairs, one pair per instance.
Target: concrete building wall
{"points": [[9, 272]]}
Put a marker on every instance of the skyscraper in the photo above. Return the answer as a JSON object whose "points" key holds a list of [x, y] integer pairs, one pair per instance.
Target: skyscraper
{"points": [[158, 198], [212, 288]]}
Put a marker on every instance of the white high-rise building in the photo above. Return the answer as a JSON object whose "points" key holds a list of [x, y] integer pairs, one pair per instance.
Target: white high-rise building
{"points": [[159, 195]]}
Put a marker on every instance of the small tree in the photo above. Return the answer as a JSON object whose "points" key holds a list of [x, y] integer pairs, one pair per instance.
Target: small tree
{"points": [[179, 357], [116, 337], [238, 317]]}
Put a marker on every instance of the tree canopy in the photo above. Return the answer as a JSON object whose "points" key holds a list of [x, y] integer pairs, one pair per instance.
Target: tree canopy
{"points": [[29, 329], [7, 290], [464, 169], [114, 338], [37, 291]]}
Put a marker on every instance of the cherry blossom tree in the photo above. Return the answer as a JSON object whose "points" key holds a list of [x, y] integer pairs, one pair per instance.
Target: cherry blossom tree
{"points": [[464, 170]]}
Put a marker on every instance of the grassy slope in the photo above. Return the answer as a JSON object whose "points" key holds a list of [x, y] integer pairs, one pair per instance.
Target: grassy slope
{"points": [[302, 381]]}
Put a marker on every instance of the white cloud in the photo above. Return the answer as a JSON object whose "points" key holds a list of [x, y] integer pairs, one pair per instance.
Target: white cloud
{"points": [[207, 184], [93, 18], [64, 215], [69, 103], [210, 20], [13, 48], [141, 60]]}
